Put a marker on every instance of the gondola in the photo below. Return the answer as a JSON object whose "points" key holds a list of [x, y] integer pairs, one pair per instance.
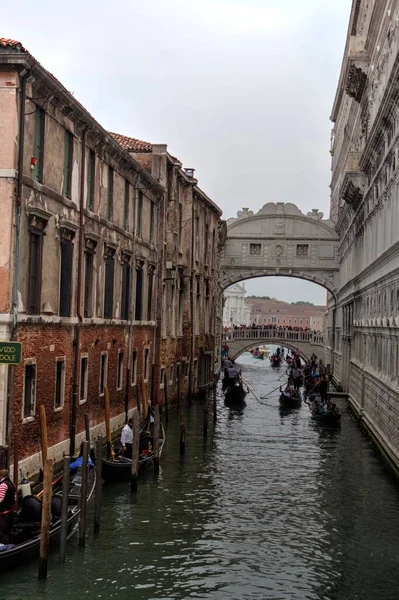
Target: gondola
{"points": [[235, 395], [261, 356], [275, 361], [288, 401], [119, 468], [330, 419], [24, 535]]}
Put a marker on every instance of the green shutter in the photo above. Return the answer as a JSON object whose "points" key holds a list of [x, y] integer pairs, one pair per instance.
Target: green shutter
{"points": [[67, 164], [39, 143]]}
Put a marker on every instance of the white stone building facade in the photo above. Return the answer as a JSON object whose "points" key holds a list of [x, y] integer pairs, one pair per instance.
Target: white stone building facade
{"points": [[236, 310], [363, 319]]}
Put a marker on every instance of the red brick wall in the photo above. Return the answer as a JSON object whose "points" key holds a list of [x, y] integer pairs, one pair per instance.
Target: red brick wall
{"points": [[45, 343]]}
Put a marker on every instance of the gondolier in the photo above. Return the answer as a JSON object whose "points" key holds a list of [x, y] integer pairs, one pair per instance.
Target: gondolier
{"points": [[127, 439], [7, 502]]}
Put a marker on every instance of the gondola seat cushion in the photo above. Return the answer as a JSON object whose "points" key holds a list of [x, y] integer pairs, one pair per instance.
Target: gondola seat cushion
{"points": [[56, 503], [31, 510]]}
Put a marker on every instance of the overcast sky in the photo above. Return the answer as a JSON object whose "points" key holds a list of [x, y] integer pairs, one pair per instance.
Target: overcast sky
{"points": [[240, 90]]}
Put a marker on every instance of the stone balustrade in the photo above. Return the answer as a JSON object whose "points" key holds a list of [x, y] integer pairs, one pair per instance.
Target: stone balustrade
{"points": [[272, 336]]}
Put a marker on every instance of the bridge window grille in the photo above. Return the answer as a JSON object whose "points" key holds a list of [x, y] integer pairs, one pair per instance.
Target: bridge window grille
{"points": [[255, 249], [302, 250]]}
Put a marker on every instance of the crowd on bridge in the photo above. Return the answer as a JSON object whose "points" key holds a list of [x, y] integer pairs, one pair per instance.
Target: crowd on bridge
{"points": [[270, 326]]}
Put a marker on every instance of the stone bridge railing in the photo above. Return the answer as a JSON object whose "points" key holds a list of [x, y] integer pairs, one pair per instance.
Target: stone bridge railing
{"points": [[273, 335]]}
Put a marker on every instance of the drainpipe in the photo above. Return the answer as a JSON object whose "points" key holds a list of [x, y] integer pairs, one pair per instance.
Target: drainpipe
{"points": [[191, 380], [76, 341], [156, 343], [17, 246], [131, 315]]}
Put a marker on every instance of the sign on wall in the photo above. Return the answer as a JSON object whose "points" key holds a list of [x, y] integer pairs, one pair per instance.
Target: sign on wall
{"points": [[10, 353]]}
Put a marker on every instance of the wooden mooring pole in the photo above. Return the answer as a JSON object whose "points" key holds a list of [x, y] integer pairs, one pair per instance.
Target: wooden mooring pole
{"points": [[156, 438], [83, 495], [135, 451], [165, 393], [15, 467], [43, 432], [215, 388], [107, 410], [46, 516], [87, 428], [206, 415], [64, 507], [182, 406], [98, 488]]}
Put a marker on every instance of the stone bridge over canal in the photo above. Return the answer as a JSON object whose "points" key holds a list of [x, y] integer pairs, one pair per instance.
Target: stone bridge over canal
{"points": [[306, 342], [280, 240]]}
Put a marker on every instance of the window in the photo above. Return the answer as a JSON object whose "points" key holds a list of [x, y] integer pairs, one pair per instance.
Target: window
{"points": [[178, 373], [91, 174], [110, 195], [119, 379], [207, 305], [183, 368], [109, 283], [197, 234], [134, 367], [195, 369], [213, 247], [206, 244], [103, 372], [38, 152], [197, 305], [29, 390], [146, 364], [88, 280], [139, 295], [68, 156], [172, 374], [180, 230], [84, 378], [126, 206], [139, 216], [150, 290], [255, 249], [36, 231], [59, 383], [302, 249], [181, 306], [125, 291], [152, 221], [66, 272], [187, 371]]}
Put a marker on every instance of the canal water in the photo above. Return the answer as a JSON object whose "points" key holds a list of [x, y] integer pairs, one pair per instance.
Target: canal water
{"points": [[271, 507]]}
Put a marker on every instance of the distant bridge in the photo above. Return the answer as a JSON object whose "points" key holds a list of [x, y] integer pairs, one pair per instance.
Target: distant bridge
{"points": [[242, 340]]}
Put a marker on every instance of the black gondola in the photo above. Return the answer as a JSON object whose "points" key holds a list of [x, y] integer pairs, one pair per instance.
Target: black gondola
{"points": [[234, 395], [25, 532], [329, 418], [288, 401], [119, 468], [275, 361]]}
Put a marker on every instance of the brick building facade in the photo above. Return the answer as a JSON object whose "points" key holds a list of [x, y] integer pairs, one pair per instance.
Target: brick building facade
{"points": [[283, 314], [97, 269]]}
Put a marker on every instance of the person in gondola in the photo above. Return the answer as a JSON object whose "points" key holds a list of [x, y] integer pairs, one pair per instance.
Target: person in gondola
{"points": [[297, 377], [127, 439], [7, 502]]}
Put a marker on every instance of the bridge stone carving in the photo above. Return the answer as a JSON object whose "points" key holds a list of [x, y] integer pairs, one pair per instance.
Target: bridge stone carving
{"points": [[280, 240], [242, 340]]}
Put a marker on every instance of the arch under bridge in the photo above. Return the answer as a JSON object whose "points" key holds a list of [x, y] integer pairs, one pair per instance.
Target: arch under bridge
{"points": [[305, 342]]}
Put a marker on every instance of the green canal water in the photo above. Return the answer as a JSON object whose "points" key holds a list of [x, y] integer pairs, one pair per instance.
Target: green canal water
{"points": [[271, 507]]}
